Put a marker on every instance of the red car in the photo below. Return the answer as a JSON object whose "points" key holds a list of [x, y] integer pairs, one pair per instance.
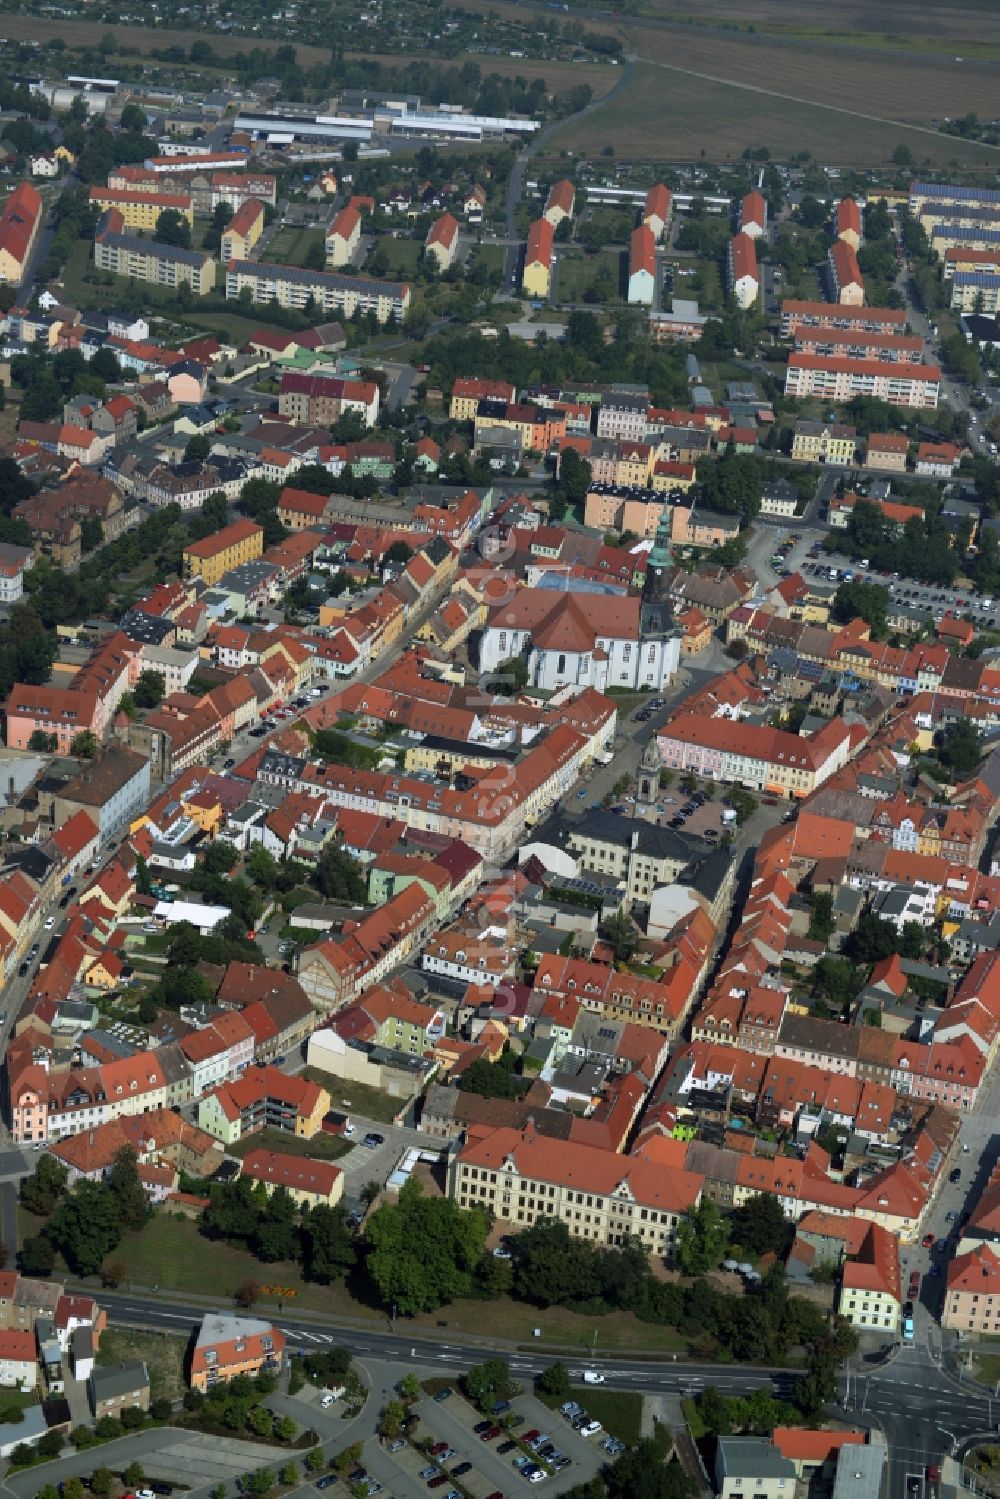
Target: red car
{"points": [[490, 1434], [914, 1285], [927, 1241]]}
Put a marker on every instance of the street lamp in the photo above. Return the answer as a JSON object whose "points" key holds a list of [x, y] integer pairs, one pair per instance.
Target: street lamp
{"points": [[951, 1434]]}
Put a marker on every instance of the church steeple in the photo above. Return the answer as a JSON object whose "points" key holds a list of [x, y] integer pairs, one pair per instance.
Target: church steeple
{"points": [[660, 558]]}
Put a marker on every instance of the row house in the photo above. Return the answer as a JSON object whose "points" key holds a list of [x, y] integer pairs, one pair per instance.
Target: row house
{"points": [[760, 757]]}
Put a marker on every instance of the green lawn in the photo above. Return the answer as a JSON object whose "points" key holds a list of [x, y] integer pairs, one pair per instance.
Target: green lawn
{"points": [[320, 1148], [579, 273], [401, 257], [988, 1368], [291, 246], [358, 1098], [619, 1411]]}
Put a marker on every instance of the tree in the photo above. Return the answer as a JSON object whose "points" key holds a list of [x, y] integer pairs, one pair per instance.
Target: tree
{"points": [[742, 803], [261, 867], [315, 1459], [114, 1273], [702, 1238], [760, 1226], [409, 1387], [867, 601], [197, 448], [127, 1189], [85, 744], [423, 1251], [622, 934], [276, 1236], [339, 877], [173, 229], [91, 533], [714, 1412], [642, 1474], [101, 1482], [289, 1473], [41, 1191], [37, 1256], [817, 1386], [328, 1250], [51, 1444], [41, 742], [487, 1383], [489, 1080], [960, 746], [246, 1293], [86, 1227], [555, 1381], [104, 363], [511, 677]]}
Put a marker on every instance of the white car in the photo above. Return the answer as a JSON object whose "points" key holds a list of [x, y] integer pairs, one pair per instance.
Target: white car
{"points": [[326, 1402], [591, 1429], [50, 922], [592, 1376]]}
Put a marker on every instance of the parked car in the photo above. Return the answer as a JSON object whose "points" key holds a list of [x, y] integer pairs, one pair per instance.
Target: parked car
{"points": [[373, 1141], [444, 1394]]}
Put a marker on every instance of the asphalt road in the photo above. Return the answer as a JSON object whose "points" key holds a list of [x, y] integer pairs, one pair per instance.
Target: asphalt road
{"points": [[408, 1349]]}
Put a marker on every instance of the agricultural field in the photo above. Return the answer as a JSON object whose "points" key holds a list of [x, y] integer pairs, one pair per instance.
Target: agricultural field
{"points": [[670, 114]]}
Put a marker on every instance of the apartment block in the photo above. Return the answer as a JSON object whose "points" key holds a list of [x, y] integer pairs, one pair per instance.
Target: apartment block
{"points": [[141, 210], [231, 1346], [537, 274], [19, 225], [243, 231], [343, 236], [294, 286], [241, 542], [837, 379], [845, 274], [155, 262], [642, 267], [796, 315], [743, 276]]}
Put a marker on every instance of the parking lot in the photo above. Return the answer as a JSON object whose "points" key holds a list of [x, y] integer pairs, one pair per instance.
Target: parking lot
{"points": [[933, 599], [444, 1449]]}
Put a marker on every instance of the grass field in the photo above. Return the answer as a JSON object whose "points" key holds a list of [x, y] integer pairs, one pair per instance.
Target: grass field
{"points": [[291, 246], [162, 1352], [358, 1098], [619, 1411], [320, 1148], [578, 274], [402, 256]]}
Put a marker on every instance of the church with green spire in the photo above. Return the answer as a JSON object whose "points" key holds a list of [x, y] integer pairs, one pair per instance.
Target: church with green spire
{"points": [[657, 611]]}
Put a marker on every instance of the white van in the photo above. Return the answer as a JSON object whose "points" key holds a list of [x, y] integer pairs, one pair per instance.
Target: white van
{"points": [[591, 1376]]}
